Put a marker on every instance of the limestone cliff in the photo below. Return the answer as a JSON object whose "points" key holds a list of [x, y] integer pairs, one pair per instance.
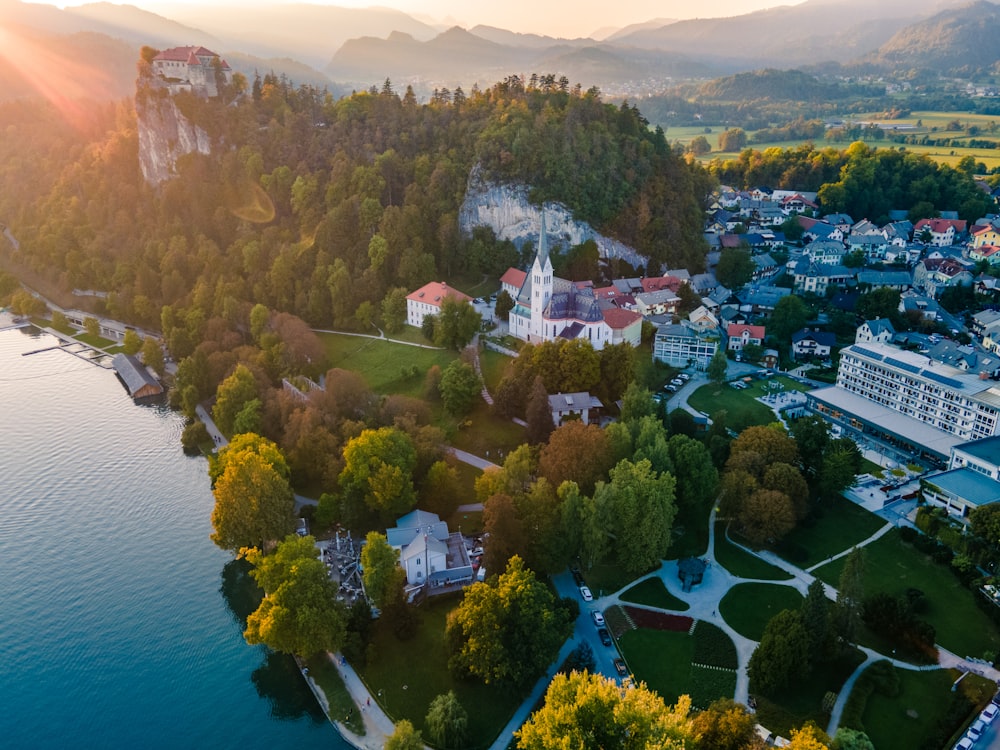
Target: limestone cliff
{"points": [[165, 135], [507, 210]]}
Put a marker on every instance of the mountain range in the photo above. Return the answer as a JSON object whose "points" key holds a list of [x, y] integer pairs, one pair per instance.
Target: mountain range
{"points": [[321, 44]]}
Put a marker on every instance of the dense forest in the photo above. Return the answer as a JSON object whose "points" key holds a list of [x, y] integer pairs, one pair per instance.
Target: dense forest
{"points": [[313, 206]]}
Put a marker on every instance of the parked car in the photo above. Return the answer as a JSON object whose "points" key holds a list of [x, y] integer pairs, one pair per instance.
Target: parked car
{"points": [[684, 376], [597, 617], [989, 714], [604, 635], [976, 730], [585, 593], [677, 381], [965, 744], [670, 388], [301, 527], [620, 667], [578, 577]]}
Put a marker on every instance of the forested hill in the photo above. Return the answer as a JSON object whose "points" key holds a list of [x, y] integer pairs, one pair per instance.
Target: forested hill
{"points": [[317, 206]]}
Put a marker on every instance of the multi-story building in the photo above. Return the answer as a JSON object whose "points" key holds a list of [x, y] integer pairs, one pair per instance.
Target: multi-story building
{"points": [[684, 344], [909, 402]]}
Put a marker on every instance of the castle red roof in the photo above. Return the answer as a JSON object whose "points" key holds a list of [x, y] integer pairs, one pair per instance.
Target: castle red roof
{"points": [[183, 54]]}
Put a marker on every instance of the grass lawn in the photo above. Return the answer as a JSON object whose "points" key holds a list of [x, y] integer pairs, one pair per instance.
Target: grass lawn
{"points": [[742, 410], [804, 701], [412, 673], [842, 525], [662, 659], [870, 467], [97, 341], [342, 706], [482, 431], [406, 333], [382, 363], [493, 365], [741, 563], [894, 566], [606, 578], [653, 593], [748, 607], [912, 716]]}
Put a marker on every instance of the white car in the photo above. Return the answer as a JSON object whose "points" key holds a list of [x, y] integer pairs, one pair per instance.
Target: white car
{"points": [[989, 714], [598, 618], [976, 730], [965, 744], [585, 593]]}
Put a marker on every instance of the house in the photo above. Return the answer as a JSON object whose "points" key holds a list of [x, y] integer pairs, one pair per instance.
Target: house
{"points": [[898, 233], [812, 343], [984, 320], [817, 277], [939, 232], [765, 267], [821, 230], [702, 319], [872, 245], [761, 300], [512, 281], [569, 406], [427, 300], [193, 69], [959, 491], [988, 253], [140, 384], [683, 345], [796, 204], [879, 330], [704, 283], [432, 556], [548, 308], [982, 456], [829, 252], [770, 358], [933, 275], [663, 302], [899, 280], [843, 222], [742, 335], [918, 307], [985, 234]]}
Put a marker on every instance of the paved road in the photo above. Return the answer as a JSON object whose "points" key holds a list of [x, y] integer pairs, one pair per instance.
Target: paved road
{"points": [[471, 460]]}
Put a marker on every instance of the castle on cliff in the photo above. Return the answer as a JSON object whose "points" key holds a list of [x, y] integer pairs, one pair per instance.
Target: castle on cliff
{"points": [[194, 69]]}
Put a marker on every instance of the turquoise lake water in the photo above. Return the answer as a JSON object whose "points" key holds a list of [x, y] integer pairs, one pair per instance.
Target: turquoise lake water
{"points": [[117, 614]]}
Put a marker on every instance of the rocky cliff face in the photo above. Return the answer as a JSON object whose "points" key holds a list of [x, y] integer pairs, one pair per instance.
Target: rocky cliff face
{"points": [[506, 209], [164, 136]]}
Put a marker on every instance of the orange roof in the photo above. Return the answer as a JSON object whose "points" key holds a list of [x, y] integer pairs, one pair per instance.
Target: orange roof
{"points": [[434, 292], [940, 225], [618, 318], [514, 277], [983, 228], [606, 292], [658, 283]]}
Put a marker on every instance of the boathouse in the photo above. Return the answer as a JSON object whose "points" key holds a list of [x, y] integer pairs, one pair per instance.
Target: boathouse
{"points": [[141, 386]]}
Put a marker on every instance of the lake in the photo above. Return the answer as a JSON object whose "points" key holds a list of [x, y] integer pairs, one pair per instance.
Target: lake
{"points": [[118, 616]]}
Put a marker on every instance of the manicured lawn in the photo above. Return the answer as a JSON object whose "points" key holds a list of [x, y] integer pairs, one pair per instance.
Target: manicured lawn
{"points": [[912, 716], [742, 410], [342, 706], [482, 431], [493, 365], [663, 660], [842, 525], [97, 341], [653, 593], [894, 566], [748, 607], [804, 701], [382, 364], [741, 563], [414, 672]]}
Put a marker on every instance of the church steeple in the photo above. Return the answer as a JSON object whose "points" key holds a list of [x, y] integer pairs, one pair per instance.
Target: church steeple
{"points": [[541, 282], [543, 243]]}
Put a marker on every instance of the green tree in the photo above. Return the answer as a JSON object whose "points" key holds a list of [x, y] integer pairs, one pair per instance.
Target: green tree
{"points": [[816, 619], [538, 414], [132, 342], [590, 712], [152, 355], [300, 613], [504, 304], [696, 475], [637, 402], [851, 739], [380, 570], [841, 465], [232, 395], [642, 505], [260, 316], [782, 656], [378, 472], [812, 435], [253, 502], [735, 268], [718, 367], [733, 140], [460, 386], [394, 309], [248, 419], [846, 615], [699, 146], [617, 370], [507, 631], [441, 491], [447, 721], [404, 737], [457, 323], [790, 315]]}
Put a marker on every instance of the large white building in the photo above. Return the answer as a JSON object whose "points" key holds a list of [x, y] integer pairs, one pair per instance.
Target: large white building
{"points": [[548, 308], [908, 401], [427, 301]]}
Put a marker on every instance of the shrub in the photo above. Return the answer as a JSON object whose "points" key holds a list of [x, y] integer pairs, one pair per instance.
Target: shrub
{"points": [[908, 534], [713, 647]]}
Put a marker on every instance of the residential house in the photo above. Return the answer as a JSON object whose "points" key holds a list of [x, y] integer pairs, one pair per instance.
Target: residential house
{"points": [[684, 345], [899, 280], [663, 302], [919, 307], [704, 283], [939, 232], [933, 275], [843, 222], [829, 252], [988, 253], [701, 319], [427, 300], [872, 245], [898, 233], [512, 281], [432, 556], [796, 204], [573, 406], [863, 228], [761, 300], [811, 343], [740, 336], [817, 277], [985, 234], [879, 330], [765, 267], [821, 230], [983, 321]]}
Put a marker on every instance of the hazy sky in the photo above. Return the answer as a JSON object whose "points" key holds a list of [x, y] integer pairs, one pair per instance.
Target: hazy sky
{"points": [[567, 18]]}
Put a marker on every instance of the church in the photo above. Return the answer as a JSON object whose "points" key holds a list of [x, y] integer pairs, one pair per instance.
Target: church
{"points": [[548, 308]]}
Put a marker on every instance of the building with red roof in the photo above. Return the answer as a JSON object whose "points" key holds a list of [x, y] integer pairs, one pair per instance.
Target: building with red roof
{"points": [[191, 69], [427, 301], [512, 281], [741, 335], [943, 232]]}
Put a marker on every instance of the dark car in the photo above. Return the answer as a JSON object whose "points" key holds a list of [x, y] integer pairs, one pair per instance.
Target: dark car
{"points": [[578, 578], [604, 635], [620, 666]]}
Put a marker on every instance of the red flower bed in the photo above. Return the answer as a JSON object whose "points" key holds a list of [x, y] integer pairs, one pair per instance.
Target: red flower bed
{"points": [[645, 618]]}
